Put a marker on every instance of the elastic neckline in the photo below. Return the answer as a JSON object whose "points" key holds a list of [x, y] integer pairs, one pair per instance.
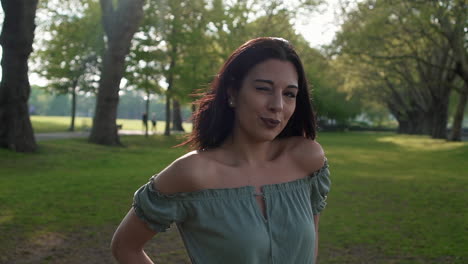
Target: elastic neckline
{"points": [[242, 192]]}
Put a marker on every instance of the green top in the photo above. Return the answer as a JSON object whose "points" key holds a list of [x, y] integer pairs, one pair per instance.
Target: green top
{"points": [[227, 226]]}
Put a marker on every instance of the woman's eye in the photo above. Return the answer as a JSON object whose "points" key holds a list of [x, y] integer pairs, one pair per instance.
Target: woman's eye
{"points": [[290, 94], [263, 88]]}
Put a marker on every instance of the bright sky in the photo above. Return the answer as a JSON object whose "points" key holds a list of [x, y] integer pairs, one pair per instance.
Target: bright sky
{"points": [[319, 29]]}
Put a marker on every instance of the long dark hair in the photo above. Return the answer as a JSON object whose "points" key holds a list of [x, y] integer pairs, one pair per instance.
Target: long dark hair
{"points": [[214, 119]]}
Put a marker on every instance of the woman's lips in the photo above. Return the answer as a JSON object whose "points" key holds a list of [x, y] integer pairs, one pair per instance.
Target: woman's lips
{"points": [[270, 122]]}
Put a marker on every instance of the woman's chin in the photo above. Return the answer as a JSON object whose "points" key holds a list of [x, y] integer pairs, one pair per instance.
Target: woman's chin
{"points": [[267, 136]]}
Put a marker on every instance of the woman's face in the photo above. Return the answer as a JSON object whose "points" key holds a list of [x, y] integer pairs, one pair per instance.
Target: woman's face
{"points": [[266, 100]]}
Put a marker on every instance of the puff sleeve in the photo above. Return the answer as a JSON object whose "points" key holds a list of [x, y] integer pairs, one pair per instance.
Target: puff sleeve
{"points": [[158, 210], [320, 186]]}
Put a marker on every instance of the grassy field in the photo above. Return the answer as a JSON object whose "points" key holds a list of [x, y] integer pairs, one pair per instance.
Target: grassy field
{"points": [[45, 124], [394, 199]]}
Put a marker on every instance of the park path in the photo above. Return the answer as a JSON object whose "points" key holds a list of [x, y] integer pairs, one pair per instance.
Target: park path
{"points": [[81, 134]]}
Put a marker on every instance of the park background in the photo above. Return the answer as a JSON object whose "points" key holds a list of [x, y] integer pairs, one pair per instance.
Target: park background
{"points": [[389, 86]]}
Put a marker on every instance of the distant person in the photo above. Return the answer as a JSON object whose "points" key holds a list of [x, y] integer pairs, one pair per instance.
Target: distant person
{"points": [[153, 122], [144, 119], [253, 188]]}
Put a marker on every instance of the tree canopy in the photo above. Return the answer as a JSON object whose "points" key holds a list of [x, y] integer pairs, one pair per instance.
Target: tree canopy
{"points": [[400, 53], [405, 57]]}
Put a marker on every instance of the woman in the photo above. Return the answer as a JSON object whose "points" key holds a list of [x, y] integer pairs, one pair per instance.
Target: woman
{"points": [[252, 190]]}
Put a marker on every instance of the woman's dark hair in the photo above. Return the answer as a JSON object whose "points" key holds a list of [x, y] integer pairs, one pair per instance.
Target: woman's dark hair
{"points": [[213, 121]]}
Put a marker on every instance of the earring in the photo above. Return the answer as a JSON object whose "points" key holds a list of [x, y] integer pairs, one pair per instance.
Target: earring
{"points": [[231, 103]]}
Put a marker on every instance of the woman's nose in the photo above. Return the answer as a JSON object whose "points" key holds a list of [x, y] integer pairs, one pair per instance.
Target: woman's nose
{"points": [[275, 103]]}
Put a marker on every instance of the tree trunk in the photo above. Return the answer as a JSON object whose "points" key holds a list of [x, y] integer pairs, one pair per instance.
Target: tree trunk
{"points": [[410, 115], [413, 122], [459, 114], [120, 24], [170, 79], [73, 108], [16, 132], [167, 130], [427, 123], [402, 122], [147, 103], [177, 116], [439, 125], [403, 126]]}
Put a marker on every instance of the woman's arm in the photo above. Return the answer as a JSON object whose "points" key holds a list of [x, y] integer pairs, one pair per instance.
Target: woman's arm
{"points": [[133, 233], [316, 221], [130, 238]]}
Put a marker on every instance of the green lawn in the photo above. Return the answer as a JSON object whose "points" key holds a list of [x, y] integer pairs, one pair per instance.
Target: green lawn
{"points": [[394, 199], [45, 124]]}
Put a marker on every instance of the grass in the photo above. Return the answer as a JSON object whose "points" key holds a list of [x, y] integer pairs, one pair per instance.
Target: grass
{"points": [[403, 197], [46, 124], [394, 199]]}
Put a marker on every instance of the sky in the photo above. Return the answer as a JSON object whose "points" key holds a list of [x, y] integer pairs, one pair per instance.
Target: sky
{"points": [[319, 29]]}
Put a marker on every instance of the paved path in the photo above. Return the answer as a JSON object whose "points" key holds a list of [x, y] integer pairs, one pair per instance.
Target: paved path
{"points": [[82, 134]]}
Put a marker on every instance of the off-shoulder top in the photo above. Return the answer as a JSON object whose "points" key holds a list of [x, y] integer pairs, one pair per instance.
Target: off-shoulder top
{"points": [[227, 225]]}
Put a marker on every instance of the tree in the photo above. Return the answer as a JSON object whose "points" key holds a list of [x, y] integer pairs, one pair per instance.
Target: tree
{"points": [[182, 19], [443, 24], [451, 23], [120, 22], [172, 37], [409, 65], [71, 57], [459, 114], [16, 132], [335, 105], [146, 60]]}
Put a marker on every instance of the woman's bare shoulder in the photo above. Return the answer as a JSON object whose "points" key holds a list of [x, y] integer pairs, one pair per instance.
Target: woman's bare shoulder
{"points": [[185, 174], [307, 153]]}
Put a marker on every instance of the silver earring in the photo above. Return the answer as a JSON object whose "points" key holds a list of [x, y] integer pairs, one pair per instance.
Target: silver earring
{"points": [[231, 103]]}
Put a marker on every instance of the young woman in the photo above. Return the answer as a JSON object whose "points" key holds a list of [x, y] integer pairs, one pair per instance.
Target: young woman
{"points": [[252, 189]]}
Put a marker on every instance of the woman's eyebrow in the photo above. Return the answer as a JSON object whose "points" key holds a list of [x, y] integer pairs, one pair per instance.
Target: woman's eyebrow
{"points": [[265, 81], [271, 83]]}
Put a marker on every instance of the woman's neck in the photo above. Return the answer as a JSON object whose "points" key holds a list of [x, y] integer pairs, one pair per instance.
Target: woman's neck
{"points": [[245, 152]]}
